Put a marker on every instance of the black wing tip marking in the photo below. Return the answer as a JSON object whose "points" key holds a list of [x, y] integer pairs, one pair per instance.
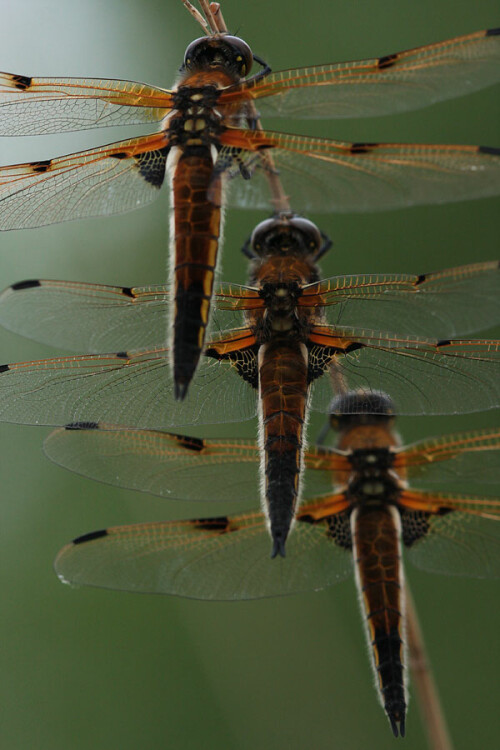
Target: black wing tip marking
{"points": [[220, 524], [191, 443], [493, 32], [491, 150], [41, 166], [28, 284], [82, 426], [90, 536], [387, 61], [362, 148], [22, 82]]}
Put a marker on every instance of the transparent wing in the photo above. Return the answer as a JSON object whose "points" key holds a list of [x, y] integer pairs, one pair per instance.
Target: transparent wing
{"points": [[422, 376], [215, 558], [37, 106], [452, 302], [115, 178], [379, 86], [467, 461], [129, 390], [325, 175], [88, 317], [95, 318], [459, 535], [173, 466]]}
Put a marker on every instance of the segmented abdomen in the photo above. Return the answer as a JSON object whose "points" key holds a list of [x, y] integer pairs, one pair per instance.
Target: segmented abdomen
{"points": [[283, 398], [375, 532], [197, 223]]}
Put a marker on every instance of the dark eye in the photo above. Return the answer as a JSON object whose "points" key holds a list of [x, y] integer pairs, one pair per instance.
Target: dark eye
{"points": [[261, 233], [192, 51], [311, 233], [243, 56]]}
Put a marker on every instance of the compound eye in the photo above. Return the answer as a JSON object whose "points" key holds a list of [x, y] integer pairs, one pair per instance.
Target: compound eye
{"points": [[243, 56], [192, 51], [260, 234], [311, 233]]}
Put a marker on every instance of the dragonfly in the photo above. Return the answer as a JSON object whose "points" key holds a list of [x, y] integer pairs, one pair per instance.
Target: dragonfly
{"points": [[210, 144], [285, 346], [364, 500]]}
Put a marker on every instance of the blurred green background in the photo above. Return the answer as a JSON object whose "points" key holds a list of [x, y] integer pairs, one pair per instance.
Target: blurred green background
{"points": [[85, 668]]}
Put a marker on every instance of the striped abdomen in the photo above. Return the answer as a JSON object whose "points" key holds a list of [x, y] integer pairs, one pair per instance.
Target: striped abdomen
{"points": [[197, 223], [375, 532], [283, 397]]}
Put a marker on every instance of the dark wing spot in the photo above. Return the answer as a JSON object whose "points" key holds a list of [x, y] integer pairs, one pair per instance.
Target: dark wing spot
{"points": [[41, 166], [120, 155], [82, 426], [152, 165], [25, 285], [387, 61], [444, 342], [420, 279], [493, 32], [90, 537], [22, 82], [4, 368], [491, 150], [191, 443], [122, 355], [414, 525], [127, 291], [220, 524], [362, 148]]}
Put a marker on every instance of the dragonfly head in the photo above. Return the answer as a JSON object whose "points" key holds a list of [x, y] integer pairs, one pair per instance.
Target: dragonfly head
{"points": [[228, 52], [360, 407], [286, 234]]}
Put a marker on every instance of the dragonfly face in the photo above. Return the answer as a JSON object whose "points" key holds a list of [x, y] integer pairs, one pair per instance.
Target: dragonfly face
{"points": [[229, 53], [362, 503]]}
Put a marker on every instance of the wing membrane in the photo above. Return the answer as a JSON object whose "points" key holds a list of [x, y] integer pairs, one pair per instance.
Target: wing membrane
{"points": [[103, 181], [87, 317], [327, 175], [135, 390], [422, 376], [37, 106], [218, 559], [452, 302], [175, 466], [467, 461], [379, 86], [465, 541], [130, 390]]}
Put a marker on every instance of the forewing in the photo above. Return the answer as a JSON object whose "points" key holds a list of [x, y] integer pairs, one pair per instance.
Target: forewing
{"points": [[37, 106], [456, 535], [86, 317], [216, 559], [115, 178], [451, 302], [423, 376], [467, 462], [379, 86], [125, 389], [326, 175]]}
